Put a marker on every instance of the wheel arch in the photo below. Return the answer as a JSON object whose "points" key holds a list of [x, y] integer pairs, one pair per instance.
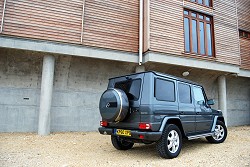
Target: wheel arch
{"points": [[217, 118], [221, 119], [176, 121]]}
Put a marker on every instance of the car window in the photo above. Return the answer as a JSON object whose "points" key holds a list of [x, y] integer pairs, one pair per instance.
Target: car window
{"points": [[198, 95], [164, 90], [130, 87], [184, 92]]}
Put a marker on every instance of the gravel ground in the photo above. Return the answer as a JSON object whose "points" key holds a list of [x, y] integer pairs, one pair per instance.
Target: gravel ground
{"points": [[93, 149]]}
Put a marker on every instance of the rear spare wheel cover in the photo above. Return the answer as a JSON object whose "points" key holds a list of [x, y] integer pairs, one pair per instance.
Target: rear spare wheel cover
{"points": [[114, 105]]}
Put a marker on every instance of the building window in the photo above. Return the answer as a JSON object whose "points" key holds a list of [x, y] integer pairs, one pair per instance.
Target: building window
{"points": [[207, 3], [198, 33], [244, 34]]}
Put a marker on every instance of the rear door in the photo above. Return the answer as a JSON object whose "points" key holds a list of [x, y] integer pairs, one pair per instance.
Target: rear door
{"points": [[186, 108], [132, 86], [204, 116]]}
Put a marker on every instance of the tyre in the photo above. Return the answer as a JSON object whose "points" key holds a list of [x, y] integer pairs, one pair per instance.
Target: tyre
{"points": [[121, 144], [114, 105], [170, 144], [220, 133]]}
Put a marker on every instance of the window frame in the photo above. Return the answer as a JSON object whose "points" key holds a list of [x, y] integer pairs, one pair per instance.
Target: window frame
{"points": [[205, 22], [244, 34], [203, 3], [167, 81]]}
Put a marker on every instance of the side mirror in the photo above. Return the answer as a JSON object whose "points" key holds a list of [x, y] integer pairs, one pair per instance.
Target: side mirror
{"points": [[210, 102]]}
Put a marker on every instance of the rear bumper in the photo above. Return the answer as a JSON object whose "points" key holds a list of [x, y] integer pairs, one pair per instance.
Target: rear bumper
{"points": [[135, 134]]}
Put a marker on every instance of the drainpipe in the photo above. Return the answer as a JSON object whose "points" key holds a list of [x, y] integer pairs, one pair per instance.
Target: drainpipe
{"points": [[237, 18], [83, 4], [4, 6], [141, 33]]}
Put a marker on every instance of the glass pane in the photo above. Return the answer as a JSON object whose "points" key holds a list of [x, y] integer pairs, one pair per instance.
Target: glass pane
{"points": [[207, 2], [185, 12], [207, 18], [202, 39], [201, 17], [241, 33], [193, 14], [186, 34], [209, 40], [198, 95], [194, 36], [200, 1], [245, 34], [184, 93], [164, 90], [130, 87]]}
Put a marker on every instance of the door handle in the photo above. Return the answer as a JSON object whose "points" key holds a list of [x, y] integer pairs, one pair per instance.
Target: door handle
{"points": [[197, 113], [181, 112]]}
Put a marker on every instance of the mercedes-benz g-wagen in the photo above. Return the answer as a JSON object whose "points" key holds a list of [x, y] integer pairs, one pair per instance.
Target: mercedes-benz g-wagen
{"points": [[152, 107]]}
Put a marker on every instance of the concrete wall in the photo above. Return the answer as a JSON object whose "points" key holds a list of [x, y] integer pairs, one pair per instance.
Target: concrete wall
{"points": [[78, 85], [238, 101], [20, 77]]}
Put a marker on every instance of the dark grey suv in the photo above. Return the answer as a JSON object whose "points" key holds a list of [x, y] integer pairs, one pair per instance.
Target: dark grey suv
{"points": [[153, 107]]}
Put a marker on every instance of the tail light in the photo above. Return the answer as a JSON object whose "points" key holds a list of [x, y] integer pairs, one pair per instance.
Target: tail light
{"points": [[104, 123], [144, 126]]}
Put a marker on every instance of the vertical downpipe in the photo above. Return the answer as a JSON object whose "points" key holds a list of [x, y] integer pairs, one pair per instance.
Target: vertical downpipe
{"points": [[141, 32], [237, 24], [83, 4], [4, 6]]}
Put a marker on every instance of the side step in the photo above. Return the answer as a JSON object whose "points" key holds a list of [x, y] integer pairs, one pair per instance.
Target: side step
{"points": [[199, 136]]}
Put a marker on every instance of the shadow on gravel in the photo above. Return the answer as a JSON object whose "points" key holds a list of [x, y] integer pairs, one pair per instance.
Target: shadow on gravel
{"points": [[150, 149]]}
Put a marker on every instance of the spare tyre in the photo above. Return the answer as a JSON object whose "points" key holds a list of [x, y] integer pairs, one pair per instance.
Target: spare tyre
{"points": [[114, 105]]}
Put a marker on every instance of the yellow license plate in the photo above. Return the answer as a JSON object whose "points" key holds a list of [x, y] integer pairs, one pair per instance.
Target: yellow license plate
{"points": [[123, 132]]}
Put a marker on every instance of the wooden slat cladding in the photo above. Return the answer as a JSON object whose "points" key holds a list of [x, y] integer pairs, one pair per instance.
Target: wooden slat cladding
{"points": [[245, 53], [166, 26], [243, 10], [226, 32], [44, 19], [112, 24], [1, 10]]}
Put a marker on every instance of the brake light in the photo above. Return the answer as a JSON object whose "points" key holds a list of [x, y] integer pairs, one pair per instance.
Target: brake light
{"points": [[103, 123], [144, 126]]}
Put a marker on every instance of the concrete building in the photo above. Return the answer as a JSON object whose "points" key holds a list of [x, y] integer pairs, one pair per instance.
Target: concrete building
{"points": [[56, 56]]}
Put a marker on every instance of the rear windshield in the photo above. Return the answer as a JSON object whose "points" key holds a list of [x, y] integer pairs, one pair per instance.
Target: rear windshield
{"points": [[130, 87]]}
